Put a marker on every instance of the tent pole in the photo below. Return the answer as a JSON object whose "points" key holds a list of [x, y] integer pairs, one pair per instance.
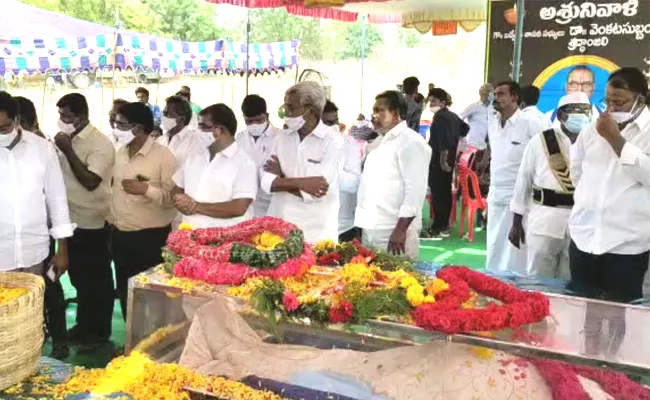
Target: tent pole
{"points": [[248, 45], [519, 33], [364, 27]]}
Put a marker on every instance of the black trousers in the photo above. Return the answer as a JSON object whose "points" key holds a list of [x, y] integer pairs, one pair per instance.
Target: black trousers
{"points": [[133, 253], [90, 273], [54, 303], [441, 197], [611, 277], [348, 236]]}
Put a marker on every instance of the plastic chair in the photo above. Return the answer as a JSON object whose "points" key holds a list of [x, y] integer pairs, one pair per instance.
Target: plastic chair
{"points": [[472, 199], [466, 159]]}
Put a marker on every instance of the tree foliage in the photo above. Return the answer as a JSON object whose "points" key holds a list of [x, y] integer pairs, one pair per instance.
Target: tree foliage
{"points": [[353, 41]]}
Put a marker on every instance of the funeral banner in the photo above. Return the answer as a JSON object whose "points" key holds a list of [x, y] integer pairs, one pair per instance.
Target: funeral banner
{"points": [[569, 45]]}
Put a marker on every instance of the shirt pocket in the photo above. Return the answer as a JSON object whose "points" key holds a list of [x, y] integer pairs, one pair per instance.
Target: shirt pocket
{"points": [[516, 147], [313, 162]]}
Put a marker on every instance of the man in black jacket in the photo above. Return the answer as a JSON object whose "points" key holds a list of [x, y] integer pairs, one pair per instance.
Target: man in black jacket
{"points": [[446, 130]]}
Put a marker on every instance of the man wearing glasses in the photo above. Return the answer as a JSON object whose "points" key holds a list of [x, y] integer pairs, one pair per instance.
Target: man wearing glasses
{"points": [[580, 79]]}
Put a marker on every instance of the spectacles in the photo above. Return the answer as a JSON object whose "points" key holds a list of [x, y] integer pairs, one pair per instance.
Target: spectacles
{"points": [[580, 85]]}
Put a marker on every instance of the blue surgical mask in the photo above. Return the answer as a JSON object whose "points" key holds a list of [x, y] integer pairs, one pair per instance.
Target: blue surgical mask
{"points": [[575, 123]]}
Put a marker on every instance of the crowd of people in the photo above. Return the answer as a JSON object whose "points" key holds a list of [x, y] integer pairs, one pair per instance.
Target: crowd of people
{"points": [[567, 194]]}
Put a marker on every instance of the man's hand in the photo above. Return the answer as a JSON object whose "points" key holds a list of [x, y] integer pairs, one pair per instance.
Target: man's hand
{"points": [[63, 141], [272, 166], [397, 242], [517, 234], [444, 166], [185, 204], [135, 187], [61, 263], [316, 186], [607, 127]]}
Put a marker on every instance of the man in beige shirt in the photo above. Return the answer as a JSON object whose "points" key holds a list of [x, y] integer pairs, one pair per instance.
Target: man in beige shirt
{"points": [[141, 206], [87, 156]]}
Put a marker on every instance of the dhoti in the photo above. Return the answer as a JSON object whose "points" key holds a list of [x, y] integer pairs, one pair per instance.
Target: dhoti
{"points": [[548, 256], [379, 238], [501, 254]]}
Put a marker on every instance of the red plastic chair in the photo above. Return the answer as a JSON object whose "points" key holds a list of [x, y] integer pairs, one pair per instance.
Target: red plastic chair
{"points": [[472, 199], [466, 159]]}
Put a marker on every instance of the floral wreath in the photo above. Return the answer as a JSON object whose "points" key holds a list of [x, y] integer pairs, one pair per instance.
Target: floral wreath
{"points": [[446, 314], [262, 247]]}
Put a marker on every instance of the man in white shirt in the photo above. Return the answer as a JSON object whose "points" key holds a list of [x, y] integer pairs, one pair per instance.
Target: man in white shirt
{"points": [[349, 177], [394, 181], [477, 118], [303, 171], [257, 140], [215, 188], [509, 132], [178, 136], [529, 100], [610, 221], [33, 193], [544, 192]]}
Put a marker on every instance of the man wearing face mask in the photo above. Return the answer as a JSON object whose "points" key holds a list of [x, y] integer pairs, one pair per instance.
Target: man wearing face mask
{"points": [[446, 130], [33, 208], [141, 204], [112, 113], [216, 187], [509, 132], [178, 136], [544, 192], [349, 176], [87, 157], [257, 140], [610, 221], [303, 171], [394, 181]]}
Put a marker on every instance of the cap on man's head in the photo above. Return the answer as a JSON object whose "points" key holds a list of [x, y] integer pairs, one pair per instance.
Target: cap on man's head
{"points": [[574, 98]]}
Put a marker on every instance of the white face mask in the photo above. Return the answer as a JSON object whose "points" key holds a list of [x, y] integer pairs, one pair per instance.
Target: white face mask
{"points": [[256, 129], [435, 109], [68, 129], [7, 139], [123, 137], [167, 124], [294, 123], [623, 117]]}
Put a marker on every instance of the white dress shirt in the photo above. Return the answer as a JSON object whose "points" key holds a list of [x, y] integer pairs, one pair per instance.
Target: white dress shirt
{"points": [[612, 199], [259, 150], [536, 171], [185, 143], [394, 180], [477, 118], [507, 145], [349, 182], [534, 113], [33, 192], [318, 154], [230, 175]]}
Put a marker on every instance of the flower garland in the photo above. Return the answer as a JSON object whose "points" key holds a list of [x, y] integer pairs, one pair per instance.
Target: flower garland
{"points": [[447, 315], [263, 247], [562, 379], [8, 294], [140, 378], [330, 254]]}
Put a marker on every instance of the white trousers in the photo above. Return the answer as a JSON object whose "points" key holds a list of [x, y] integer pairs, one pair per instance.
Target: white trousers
{"points": [[501, 254], [548, 256], [378, 239]]}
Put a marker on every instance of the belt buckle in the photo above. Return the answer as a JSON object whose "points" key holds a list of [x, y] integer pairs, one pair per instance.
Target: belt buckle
{"points": [[541, 197]]}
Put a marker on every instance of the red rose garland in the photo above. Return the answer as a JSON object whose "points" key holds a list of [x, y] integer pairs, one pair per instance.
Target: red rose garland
{"points": [[445, 315], [206, 253]]}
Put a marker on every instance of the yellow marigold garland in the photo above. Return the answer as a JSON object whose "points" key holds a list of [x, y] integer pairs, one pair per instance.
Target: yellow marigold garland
{"points": [[144, 379], [8, 294]]}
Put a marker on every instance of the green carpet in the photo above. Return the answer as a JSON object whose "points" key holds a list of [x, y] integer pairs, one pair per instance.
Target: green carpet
{"points": [[452, 250]]}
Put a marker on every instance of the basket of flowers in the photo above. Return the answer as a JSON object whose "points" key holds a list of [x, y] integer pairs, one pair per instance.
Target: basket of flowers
{"points": [[21, 326]]}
